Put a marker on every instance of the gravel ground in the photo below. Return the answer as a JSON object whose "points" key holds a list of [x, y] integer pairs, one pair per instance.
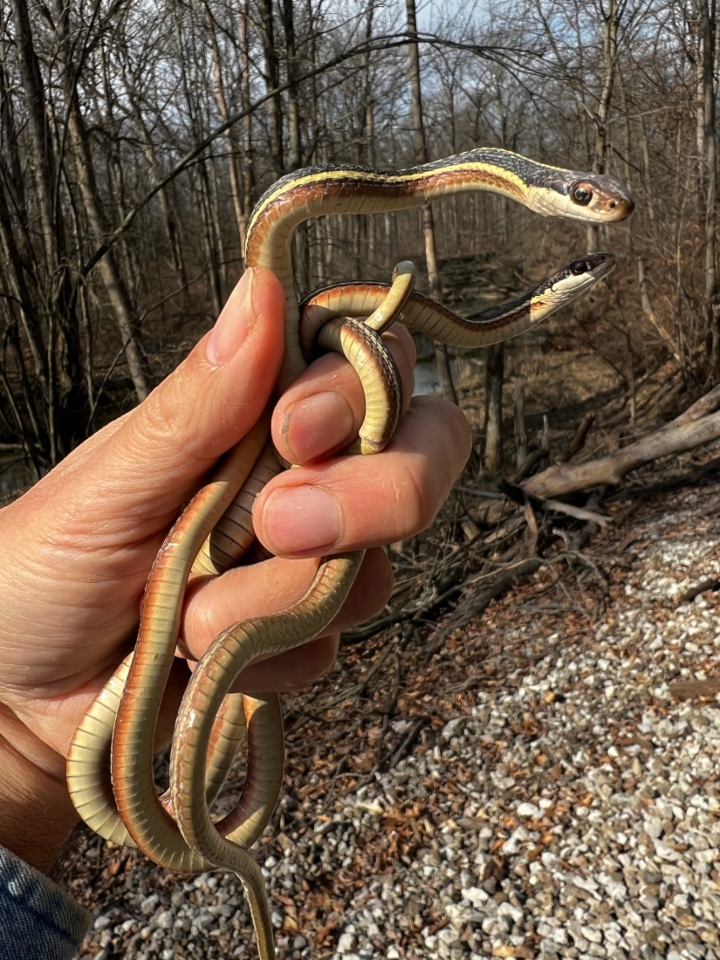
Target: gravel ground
{"points": [[557, 793]]}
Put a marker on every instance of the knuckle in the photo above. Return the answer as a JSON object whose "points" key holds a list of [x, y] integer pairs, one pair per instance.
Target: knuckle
{"points": [[166, 416], [157, 418], [167, 420]]}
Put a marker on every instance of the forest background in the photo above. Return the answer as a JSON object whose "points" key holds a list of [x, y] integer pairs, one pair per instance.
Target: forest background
{"points": [[137, 136]]}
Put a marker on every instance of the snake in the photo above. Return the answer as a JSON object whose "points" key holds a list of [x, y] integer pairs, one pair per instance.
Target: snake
{"points": [[109, 768]]}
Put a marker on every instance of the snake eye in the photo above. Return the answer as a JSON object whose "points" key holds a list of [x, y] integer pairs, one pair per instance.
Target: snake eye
{"points": [[579, 267], [581, 194]]}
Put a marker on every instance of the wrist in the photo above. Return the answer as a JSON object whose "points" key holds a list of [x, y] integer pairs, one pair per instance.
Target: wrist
{"points": [[36, 815]]}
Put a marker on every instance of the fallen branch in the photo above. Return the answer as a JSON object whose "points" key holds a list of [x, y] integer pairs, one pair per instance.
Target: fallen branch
{"points": [[566, 478], [707, 404], [406, 746]]}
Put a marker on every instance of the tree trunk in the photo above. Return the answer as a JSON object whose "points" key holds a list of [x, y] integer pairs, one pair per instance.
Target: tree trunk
{"points": [[169, 221], [611, 22], [494, 377], [428, 227], [84, 172], [221, 100], [272, 82], [210, 239], [295, 157], [62, 373], [519, 418], [707, 26], [248, 173]]}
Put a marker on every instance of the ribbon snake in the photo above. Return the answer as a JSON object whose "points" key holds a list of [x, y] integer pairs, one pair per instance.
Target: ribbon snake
{"points": [[110, 761]]}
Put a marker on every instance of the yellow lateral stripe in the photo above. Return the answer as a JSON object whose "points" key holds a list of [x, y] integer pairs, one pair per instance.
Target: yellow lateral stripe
{"points": [[390, 177]]}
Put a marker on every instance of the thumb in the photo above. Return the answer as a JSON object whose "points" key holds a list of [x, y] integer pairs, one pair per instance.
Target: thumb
{"points": [[149, 461]]}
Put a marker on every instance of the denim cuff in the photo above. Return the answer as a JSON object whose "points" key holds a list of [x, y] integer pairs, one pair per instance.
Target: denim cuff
{"points": [[37, 918]]}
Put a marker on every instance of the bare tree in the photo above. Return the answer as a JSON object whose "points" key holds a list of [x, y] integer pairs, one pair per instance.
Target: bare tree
{"points": [[421, 156], [707, 10], [272, 82]]}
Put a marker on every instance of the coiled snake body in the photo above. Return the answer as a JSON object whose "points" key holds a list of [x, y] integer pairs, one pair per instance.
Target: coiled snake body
{"points": [[176, 829]]}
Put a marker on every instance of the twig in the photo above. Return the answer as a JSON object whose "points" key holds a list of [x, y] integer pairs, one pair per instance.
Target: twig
{"points": [[521, 497], [344, 695], [712, 583], [651, 315], [579, 513], [489, 494], [407, 744], [526, 467], [688, 689], [479, 603], [578, 441]]}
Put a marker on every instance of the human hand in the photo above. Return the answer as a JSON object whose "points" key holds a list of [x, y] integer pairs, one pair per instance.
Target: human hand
{"points": [[77, 548]]}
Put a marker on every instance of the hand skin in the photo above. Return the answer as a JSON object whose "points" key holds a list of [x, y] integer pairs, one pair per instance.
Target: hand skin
{"points": [[77, 548]]}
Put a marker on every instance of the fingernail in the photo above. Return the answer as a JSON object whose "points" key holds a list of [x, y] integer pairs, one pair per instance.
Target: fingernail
{"points": [[316, 425], [298, 519], [234, 322]]}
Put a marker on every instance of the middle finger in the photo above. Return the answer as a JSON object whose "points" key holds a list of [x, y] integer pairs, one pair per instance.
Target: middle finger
{"points": [[351, 502], [322, 411]]}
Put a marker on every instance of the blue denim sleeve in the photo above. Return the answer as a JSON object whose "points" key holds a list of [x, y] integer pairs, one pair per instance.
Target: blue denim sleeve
{"points": [[38, 920]]}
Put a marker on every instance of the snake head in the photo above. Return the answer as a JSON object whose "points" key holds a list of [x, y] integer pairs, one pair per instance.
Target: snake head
{"points": [[582, 273], [599, 197]]}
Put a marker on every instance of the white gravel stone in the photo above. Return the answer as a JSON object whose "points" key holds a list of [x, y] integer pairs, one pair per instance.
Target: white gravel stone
{"points": [[346, 943]]}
